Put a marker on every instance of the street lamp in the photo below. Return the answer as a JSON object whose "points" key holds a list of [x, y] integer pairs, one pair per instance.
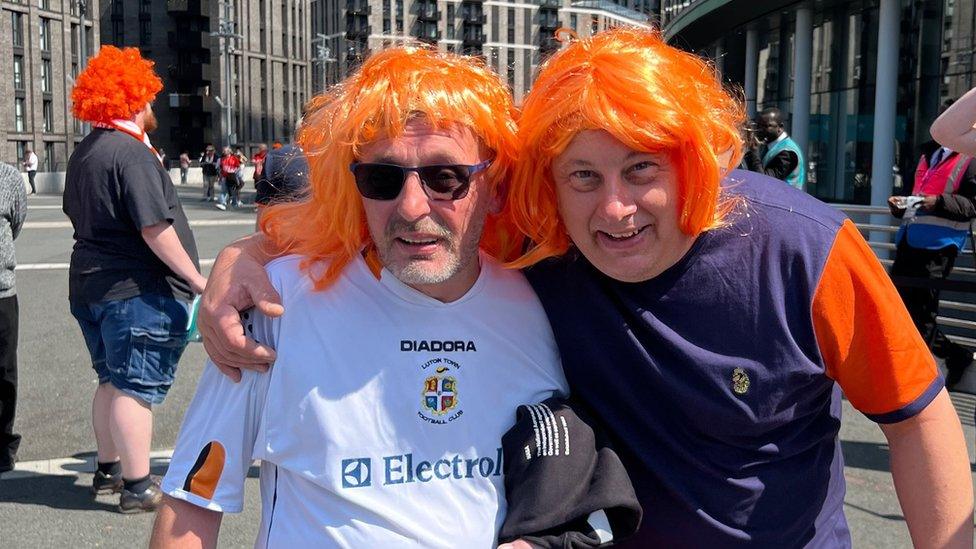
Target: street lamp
{"points": [[226, 33], [323, 56]]}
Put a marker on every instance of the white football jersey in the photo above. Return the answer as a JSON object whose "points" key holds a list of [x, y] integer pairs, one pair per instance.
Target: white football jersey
{"points": [[380, 423]]}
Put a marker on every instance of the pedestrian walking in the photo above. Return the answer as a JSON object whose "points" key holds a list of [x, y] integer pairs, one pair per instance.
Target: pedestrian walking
{"points": [[30, 166], [13, 211], [184, 166], [935, 226], [209, 162], [134, 267], [230, 167], [258, 160]]}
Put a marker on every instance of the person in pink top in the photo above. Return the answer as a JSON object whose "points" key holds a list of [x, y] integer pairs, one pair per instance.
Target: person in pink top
{"points": [[936, 221]]}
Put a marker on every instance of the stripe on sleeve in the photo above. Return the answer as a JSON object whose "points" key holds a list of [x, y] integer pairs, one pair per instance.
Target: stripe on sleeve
{"points": [[202, 478]]}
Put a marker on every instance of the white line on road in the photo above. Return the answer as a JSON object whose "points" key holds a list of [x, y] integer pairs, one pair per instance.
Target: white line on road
{"points": [[63, 467], [43, 206], [196, 223], [63, 266]]}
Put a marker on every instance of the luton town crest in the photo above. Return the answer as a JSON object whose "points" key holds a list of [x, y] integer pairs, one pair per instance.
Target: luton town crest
{"points": [[440, 393]]}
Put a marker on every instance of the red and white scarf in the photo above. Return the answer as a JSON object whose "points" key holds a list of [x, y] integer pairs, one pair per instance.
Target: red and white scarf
{"points": [[131, 128]]}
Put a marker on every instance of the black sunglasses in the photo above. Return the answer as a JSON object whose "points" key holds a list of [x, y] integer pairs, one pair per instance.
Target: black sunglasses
{"points": [[440, 181]]}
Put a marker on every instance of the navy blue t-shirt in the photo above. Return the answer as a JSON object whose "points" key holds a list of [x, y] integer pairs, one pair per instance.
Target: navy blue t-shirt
{"points": [[719, 380]]}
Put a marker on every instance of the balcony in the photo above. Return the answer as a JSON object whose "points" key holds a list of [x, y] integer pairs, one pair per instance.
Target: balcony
{"points": [[430, 13], [475, 18], [430, 37], [188, 7], [470, 38], [359, 32], [549, 22], [191, 40], [358, 8]]}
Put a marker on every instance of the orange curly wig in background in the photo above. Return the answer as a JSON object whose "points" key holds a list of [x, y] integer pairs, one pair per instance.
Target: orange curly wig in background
{"points": [[116, 84], [647, 94], [390, 88]]}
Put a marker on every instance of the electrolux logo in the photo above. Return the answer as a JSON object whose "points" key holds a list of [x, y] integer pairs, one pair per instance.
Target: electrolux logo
{"points": [[356, 473], [406, 469]]}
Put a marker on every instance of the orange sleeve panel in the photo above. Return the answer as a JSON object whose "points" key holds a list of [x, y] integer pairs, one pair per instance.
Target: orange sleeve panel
{"points": [[869, 343], [203, 477]]}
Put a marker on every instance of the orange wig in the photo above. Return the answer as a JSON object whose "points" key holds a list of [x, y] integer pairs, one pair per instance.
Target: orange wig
{"points": [[648, 95], [392, 87], [116, 84]]}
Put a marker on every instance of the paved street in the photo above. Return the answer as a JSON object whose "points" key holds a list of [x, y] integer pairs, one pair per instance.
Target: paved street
{"points": [[45, 503]]}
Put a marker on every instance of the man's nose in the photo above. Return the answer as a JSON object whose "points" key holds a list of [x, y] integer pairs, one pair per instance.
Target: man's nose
{"points": [[413, 202]]}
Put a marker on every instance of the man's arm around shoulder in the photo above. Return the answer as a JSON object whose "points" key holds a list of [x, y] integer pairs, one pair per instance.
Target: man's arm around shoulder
{"points": [[183, 525]]}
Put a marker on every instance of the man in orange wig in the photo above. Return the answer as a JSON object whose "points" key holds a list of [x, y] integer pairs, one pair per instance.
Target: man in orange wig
{"points": [[406, 347], [711, 318], [134, 268], [717, 316]]}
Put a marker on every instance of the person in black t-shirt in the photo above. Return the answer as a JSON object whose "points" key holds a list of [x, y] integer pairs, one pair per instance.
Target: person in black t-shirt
{"points": [[134, 267]]}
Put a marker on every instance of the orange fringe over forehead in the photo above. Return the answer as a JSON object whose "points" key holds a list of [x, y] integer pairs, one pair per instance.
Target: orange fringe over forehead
{"points": [[115, 84], [377, 101], [651, 97]]}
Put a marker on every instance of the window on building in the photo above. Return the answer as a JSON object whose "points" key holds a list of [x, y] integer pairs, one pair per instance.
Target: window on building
{"points": [[511, 26], [44, 4], [17, 28], [21, 149], [572, 21], [510, 65], [45, 34], [20, 114], [145, 32], [48, 115], [19, 72], [118, 32], [48, 163], [46, 76], [74, 38], [118, 8], [145, 7]]}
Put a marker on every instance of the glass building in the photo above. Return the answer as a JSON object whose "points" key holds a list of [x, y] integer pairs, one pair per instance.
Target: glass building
{"points": [[818, 61]]}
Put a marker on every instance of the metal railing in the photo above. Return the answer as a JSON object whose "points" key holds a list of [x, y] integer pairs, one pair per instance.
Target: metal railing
{"points": [[957, 309]]}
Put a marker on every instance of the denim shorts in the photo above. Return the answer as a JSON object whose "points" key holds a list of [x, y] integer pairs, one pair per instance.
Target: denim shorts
{"points": [[135, 343]]}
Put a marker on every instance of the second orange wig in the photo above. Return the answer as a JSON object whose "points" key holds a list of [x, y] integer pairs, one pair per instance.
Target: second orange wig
{"points": [[648, 95]]}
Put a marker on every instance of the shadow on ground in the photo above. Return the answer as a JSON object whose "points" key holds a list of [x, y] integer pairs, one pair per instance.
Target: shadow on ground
{"points": [[72, 492]]}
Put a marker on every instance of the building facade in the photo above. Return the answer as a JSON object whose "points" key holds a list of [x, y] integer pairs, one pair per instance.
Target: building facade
{"points": [[512, 36], [40, 49], [861, 80], [235, 72]]}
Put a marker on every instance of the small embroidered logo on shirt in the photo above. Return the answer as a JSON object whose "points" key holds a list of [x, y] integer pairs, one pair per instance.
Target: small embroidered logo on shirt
{"points": [[439, 402], [740, 381]]}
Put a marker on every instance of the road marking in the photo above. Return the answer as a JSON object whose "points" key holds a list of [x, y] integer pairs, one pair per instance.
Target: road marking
{"points": [[44, 207], [197, 223], [63, 266], [65, 467]]}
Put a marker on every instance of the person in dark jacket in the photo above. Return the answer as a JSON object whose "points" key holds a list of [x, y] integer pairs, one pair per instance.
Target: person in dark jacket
{"points": [[781, 157], [13, 211], [936, 222]]}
